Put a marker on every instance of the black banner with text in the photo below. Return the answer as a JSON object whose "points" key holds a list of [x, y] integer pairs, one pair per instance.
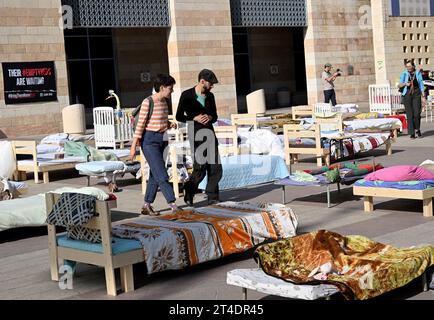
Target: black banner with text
{"points": [[29, 81]]}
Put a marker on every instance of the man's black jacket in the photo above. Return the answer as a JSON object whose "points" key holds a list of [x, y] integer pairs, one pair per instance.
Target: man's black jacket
{"points": [[189, 107]]}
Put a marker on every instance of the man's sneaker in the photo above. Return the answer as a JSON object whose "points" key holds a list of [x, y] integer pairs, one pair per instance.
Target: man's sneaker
{"points": [[419, 134], [412, 136], [149, 211]]}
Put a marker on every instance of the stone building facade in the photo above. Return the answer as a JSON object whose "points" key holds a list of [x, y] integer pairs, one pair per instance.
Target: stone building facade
{"points": [[282, 45]]}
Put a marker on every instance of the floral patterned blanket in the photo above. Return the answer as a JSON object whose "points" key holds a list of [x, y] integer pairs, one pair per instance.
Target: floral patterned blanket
{"points": [[176, 241], [358, 266]]}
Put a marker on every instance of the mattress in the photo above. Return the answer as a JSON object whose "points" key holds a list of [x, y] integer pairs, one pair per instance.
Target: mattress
{"points": [[258, 280], [49, 148], [322, 181], [31, 211], [373, 124], [97, 167], [48, 162], [176, 241], [22, 212], [120, 153], [404, 185], [249, 169]]}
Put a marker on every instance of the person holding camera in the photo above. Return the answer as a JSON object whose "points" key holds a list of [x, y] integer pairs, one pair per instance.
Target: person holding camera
{"points": [[328, 83], [411, 87]]}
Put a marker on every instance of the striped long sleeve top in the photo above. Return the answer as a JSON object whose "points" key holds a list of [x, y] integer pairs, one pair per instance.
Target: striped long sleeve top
{"points": [[159, 119]]}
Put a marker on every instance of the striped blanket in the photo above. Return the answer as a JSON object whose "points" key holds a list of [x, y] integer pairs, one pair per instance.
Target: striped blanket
{"points": [[176, 241], [359, 143]]}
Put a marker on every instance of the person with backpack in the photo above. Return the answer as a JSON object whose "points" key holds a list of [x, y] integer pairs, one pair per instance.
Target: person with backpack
{"points": [[150, 134]]}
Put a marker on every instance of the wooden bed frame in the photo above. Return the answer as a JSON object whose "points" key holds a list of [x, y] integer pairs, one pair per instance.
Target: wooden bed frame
{"points": [[29, 148], [248, 119], [369, 193], [294, 131], [106, 259], [301, 111]]}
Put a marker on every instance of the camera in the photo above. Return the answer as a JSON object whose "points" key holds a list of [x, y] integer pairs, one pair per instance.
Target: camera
{"points": [[339, 72]]}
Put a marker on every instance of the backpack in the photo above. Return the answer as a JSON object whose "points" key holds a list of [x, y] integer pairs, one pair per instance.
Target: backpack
{"points": [[136, 113]]}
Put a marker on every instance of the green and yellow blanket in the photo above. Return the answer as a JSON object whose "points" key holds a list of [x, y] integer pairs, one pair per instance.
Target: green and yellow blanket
{"points": [[359, 267]]}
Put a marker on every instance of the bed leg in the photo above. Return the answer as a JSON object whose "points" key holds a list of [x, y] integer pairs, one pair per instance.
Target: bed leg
{"points": [[36, 176], [283, 195], [22, 175], [244, 293], [46, 177], [127, 278], [368, 203], [425, 281], [52, 250], [389, 148], [327, 160], [88, 181], [328, 196], [110, 281], [427, 207]]}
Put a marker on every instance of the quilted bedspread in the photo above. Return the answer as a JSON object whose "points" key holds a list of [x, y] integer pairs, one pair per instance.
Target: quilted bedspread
{"points": [[358, 266], [249, 169], [176, 241]]}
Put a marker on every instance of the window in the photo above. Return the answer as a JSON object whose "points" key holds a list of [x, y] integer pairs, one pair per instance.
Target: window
{"points": [[410, 24], [404, 37], [425, 36], [420, 60], [426, 48], [404, 49], [425, 24], [412, 49], [411, 36], [426, 61], [418, 36], [90, 64], [403, 24], [419, 49]]}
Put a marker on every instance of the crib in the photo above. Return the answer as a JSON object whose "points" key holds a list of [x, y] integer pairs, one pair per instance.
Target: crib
{"points": [[112, 127], [384, 99]]}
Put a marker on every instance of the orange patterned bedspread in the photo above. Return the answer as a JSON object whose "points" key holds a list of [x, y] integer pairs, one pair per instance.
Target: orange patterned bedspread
{"points": [[176, 241]]}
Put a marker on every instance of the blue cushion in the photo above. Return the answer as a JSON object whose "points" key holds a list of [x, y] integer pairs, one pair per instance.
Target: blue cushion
{"points": [[119, 245]]}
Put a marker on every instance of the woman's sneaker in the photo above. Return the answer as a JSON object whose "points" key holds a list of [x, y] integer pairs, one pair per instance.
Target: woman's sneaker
{"points": [[174, 208]]}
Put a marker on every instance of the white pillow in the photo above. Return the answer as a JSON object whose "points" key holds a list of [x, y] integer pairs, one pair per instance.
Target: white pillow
{"points": [[92, 191]]}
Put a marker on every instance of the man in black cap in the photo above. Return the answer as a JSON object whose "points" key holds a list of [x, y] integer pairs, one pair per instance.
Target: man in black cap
{"points": [[197, 106]]}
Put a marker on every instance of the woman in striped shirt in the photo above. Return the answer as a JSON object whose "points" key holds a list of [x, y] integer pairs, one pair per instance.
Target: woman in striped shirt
{"points": [[151, 134]]}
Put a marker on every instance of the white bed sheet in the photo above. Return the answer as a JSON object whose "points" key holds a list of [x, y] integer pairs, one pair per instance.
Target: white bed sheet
{"points": [[258, 280], [373, 124]]}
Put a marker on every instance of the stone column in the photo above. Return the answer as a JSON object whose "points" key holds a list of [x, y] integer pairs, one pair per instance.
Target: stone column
{"points": [[335, 34], [378, 11], [201, 37]]}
